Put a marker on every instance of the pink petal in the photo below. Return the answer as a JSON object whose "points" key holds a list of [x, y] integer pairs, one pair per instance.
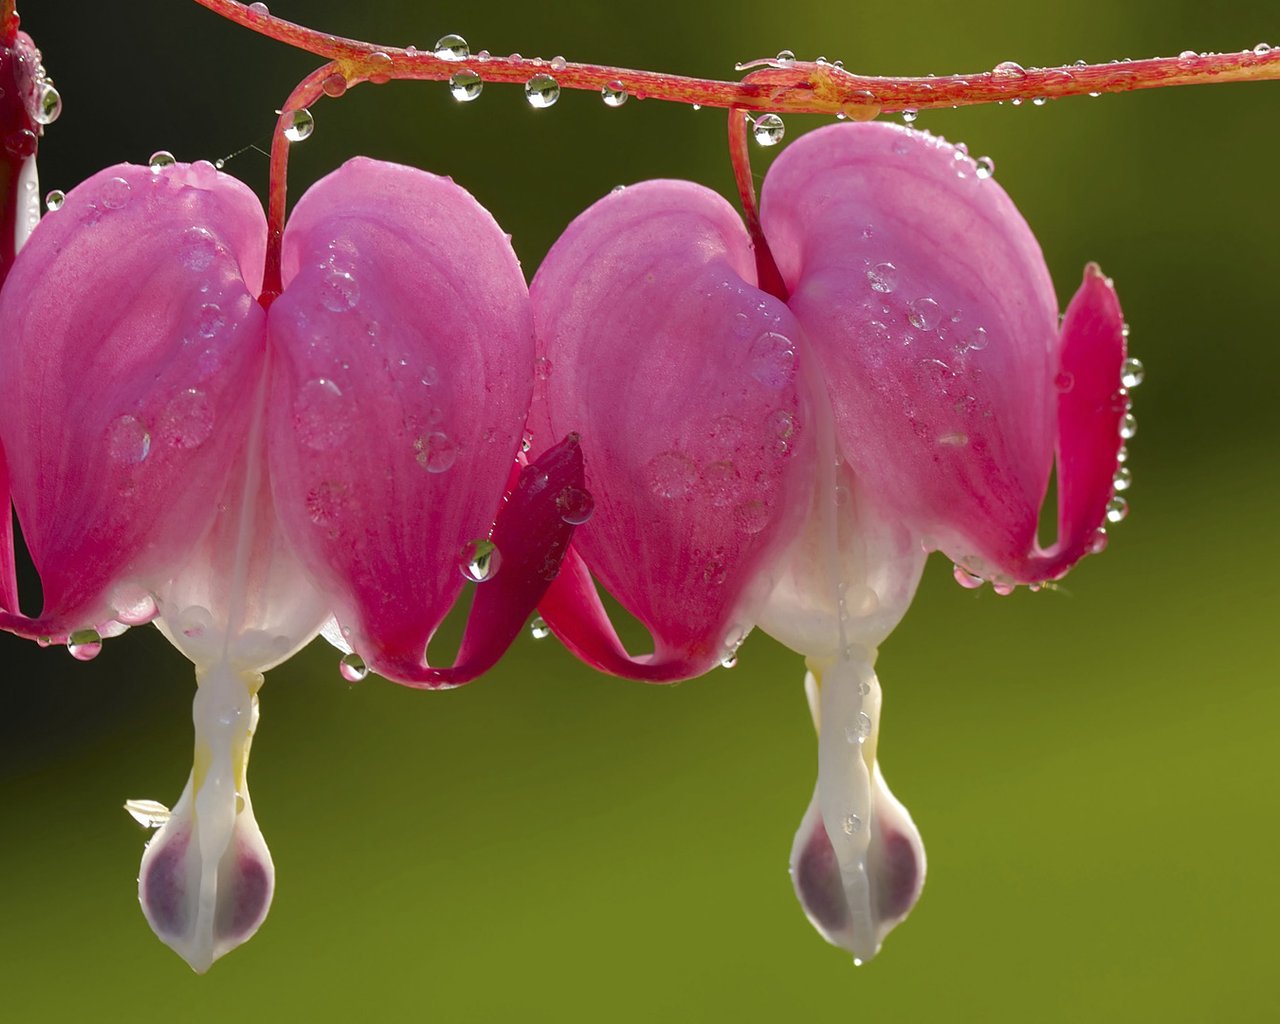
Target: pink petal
{"points": [[132, 337], [684, 381], [401, 355], [927, 300]]}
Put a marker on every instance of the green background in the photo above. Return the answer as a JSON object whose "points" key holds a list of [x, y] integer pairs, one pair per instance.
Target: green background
{"points": [[1093, 769]]}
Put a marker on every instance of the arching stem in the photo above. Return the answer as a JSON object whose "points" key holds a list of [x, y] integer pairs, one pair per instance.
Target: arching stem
{"points": [[786, 86], [769, 278]]}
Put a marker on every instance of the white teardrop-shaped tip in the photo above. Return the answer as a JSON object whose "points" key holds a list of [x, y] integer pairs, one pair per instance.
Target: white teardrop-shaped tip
{"points": [[203, 911]]}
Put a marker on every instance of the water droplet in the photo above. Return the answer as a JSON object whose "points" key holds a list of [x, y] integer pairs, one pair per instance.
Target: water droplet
{"points": [[452, 47], [325, 502], [909, 116], [352, 668], [575, 505], [860, 730], [1064, 381], [380, 67], [750, 517], [194, 621], [1128, 426], [1117, 509], [133, 606], [986, 167], [186, 421], [299, 126], [48, 104], [465, 85], [1003, 589], [21, 143], [785, 58], [768, 129], [320, 415], [956, 439], [480, 560], [772, 360], [335, 85], [128, 441], [538, 628], [852, 825], [436, 452], [161, 159], [339, 292], [1262, 49], [198, 249], [723, 482], [542, 368], [1123, 479], [613, 94], [1009, 69], [671, 474], [84, 644], [541, 91], [209, 320], [55, 199], [967, 579], [883, 278], [259, 8], [1132, 373], [558, 63], [115, 193], [924, 314]]}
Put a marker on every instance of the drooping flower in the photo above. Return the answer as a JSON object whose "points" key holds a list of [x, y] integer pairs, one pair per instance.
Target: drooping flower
{"points": [[787, 460], [246, 476]]}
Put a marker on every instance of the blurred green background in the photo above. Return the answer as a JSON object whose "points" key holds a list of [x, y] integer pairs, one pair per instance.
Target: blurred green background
{"points": [[1093, 769]]}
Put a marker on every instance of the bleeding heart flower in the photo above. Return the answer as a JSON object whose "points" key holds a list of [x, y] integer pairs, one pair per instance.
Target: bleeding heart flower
{"points": [[787, 460], [243, 476]]}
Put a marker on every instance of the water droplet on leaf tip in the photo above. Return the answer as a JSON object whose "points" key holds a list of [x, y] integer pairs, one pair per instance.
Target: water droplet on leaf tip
{"points": [[352, 668], [452, 47], [465, 85], [299, 125], [768, 129], [541, 91]]}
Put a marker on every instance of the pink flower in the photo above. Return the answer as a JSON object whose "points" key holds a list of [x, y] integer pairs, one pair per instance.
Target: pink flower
{"points": [[787, 460], [243, 476]]}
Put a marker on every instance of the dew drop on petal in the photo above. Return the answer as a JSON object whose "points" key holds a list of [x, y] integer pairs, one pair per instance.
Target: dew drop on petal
{"points": [[210, 320], [128, 441], [538, 628], [772, 360], [198, 249], [465, 85], [325, 502], [84, 644], [967, 579], [671, 474], [479, 560], [435, 452], [1123, 478], [986, 167], [924, 314], [55, 199], [1132, 373], [852, 825], [883, 278], [1009, 69], [115, 193], [161, 159], [614, 94], [451, 47], [1128, 426], [194, 621], [320, 415], [750, 517], [541, 91], [339, 292], [299, 126], [575, 505], [186, 421], [768, 129], [352, 668]]}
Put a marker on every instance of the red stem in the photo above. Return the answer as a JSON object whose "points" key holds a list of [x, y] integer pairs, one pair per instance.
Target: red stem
{"points": [[8, 22], [768, 277], [781, 87]]}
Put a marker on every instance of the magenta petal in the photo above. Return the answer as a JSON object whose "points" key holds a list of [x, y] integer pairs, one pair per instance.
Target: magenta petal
{"points": [[402, 350], [1090, 408], [131, 340], [684, 380], [927, 300]]}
